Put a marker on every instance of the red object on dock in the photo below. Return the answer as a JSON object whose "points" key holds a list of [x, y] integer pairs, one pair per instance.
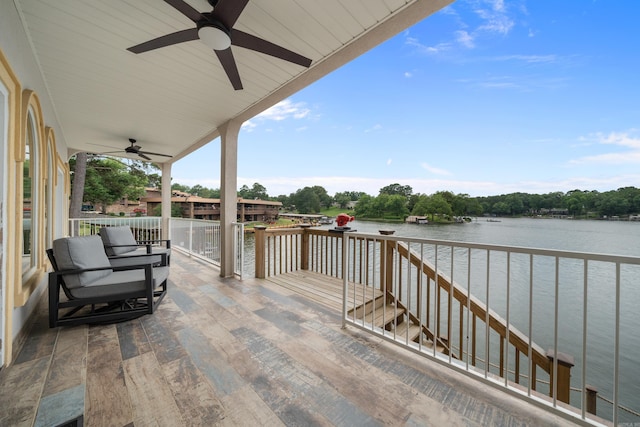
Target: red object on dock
{"points": [[343, 219]]}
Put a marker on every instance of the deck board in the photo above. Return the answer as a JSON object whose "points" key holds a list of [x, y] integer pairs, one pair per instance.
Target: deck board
{"points": [[252, 352], [323, 289]]}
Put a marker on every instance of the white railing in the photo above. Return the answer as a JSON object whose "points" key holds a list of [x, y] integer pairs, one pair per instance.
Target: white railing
{"points": [[582, 307], [238, 244], [202, 239], [195, 237], [144, 228]]}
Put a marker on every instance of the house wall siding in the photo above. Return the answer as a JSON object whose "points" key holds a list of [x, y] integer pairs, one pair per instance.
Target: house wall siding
{"points": [[20, 73]]}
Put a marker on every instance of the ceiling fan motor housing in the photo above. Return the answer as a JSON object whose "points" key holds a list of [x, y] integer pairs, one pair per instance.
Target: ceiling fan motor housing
{"points": [[209, 32]]}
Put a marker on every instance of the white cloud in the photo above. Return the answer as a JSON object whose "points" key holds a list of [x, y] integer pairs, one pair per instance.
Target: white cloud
{"points": [[425, 49], [389, 161], [620, 138], [283, 110], [249, 125], [434, 170], [497, 5], [631, 154], [408, 74], [375, 127], [465, 39], [495, 18], [531, 59]]}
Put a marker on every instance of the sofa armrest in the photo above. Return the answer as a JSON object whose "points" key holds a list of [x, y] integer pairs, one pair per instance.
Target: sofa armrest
{"points": [[130, 258], [167, 242]]}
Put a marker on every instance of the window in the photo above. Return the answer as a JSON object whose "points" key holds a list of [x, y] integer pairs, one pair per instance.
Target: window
{"points": [[29, 197], [30, 173], [49, 185], [4, 139]]}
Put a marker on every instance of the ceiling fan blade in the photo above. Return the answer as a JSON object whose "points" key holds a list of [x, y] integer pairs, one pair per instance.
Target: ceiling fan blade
{"points": [[154, 154], [185, 9], [228, 11], [242, 39], [229, 65], [167, 40], [143, 156]]}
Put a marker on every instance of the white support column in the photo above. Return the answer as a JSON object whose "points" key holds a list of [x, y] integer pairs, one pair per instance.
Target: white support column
{"points": [[228, 193], [166, 199]]}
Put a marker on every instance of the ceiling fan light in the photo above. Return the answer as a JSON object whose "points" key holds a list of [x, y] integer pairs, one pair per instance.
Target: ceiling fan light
{"points": [[215, 38]]}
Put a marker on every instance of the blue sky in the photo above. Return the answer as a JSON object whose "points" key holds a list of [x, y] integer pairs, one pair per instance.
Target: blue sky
{"points": [[485, 97]]}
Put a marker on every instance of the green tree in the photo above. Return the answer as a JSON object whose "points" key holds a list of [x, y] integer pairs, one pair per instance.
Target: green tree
{"points": [[575, 201], [154, 180], [396, 206], [515, 204], [364, 208], [501, 208], [612, 203], [421, 205], [324, 197], [342, 199], [306, 201], [632, 196], [437, 204], [403, 190], [209, 193], [179, 187], [474, 207], [285, 200], [257, 191], [108, 180], [197, 190]]}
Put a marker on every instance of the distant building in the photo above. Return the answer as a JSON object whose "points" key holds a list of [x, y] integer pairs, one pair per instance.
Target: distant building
{"points": [[196, 207]]}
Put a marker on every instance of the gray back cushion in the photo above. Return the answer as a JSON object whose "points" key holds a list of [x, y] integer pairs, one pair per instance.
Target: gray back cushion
{"points": [[118, 236], [78, 253]]}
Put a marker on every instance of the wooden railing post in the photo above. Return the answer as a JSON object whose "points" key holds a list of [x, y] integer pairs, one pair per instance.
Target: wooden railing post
{"points": [[565, 363], [592, 398], [259, 232], [304, 250], [386, 254], [386, 264]]}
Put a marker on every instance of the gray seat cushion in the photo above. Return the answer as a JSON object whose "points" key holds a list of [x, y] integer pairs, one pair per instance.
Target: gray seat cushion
{"points": [[73, 253], [118, 236], [121, 282]]}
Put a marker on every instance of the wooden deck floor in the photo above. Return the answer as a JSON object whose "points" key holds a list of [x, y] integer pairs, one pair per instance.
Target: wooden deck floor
{"points": [[323, 290], [229, 352]]}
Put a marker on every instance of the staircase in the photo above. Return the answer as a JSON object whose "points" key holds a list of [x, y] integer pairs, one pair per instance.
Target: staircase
{"points": [[386, 312]]}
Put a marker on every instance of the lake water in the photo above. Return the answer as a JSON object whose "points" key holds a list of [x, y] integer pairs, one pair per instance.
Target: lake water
{"points": [[604, 237], [611, 237]]}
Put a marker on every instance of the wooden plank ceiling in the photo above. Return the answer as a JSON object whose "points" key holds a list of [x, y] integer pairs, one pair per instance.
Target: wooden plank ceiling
{"points": [[173, 99]]}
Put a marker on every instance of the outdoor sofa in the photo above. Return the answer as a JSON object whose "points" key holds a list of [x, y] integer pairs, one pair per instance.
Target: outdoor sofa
{"points": [[96, 291]]}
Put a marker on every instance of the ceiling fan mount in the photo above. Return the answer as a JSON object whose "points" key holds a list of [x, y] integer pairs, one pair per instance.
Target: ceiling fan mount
{"points": [[136, 149], [215, 30]]}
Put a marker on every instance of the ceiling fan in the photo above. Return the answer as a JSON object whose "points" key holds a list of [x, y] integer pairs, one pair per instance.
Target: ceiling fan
{"points": [[215, 29], [136, 149]]}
